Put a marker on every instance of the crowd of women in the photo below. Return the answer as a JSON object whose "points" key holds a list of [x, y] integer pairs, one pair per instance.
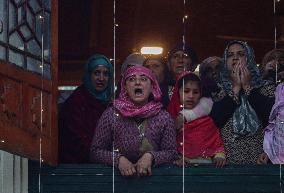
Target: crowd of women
{"points": [[231, 112]]}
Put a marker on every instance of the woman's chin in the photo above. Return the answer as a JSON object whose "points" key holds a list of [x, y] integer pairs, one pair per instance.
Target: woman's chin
{"points": [[139, 101]]}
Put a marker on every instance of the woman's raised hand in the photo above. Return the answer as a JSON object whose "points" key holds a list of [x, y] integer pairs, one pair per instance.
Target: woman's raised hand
{"points": [[236, 79], [245, 77], [144, 165], [125, 167]]}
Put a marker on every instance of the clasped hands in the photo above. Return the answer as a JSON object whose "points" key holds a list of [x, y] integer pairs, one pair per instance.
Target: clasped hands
{"points": [[141, 168], [241, 78]]}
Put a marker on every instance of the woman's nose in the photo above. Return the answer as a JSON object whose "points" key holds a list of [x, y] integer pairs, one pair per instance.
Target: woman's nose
{"points": [[101, 77], [137, 81], [235, 57]]}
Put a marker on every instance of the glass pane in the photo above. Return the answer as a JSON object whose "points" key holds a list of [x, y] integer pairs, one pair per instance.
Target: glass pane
{"points": [[46, 44], [18, 1], [12, 16], [30, 18], [2, 53], [25, 31], [3, 20], [38, 26], [34, 65], [16, 58], [16, 41], [35, 6], [21, 14], [47, 71], [34, 48], [47, 4]]}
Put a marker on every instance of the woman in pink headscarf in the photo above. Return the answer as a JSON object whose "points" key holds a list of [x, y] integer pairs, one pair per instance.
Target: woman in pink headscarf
{"points": [[135, 133]]}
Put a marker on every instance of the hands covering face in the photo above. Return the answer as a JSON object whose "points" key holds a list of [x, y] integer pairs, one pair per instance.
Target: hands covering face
{"points": [[240, 77], [141, 168]]}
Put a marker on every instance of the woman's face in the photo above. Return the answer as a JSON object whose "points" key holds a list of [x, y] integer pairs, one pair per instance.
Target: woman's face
{"points": [[100, 78], [138, 88], [180, 62], [157, 68], [213, 69], [236, 56]]}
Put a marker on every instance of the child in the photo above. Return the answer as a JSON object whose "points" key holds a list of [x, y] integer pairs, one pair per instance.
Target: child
{"points": [[198, 138], [273, 144]]}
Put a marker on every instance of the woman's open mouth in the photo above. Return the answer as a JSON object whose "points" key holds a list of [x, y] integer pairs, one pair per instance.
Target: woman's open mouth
{"points": [[138, 91]]}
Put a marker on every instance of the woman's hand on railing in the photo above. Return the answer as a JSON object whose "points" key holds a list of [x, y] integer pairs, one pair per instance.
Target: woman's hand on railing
{"points": [[125, 167], [144, 165], [262, 159]]}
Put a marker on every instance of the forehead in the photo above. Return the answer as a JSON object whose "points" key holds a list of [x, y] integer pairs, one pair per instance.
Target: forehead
{"points": [[191, 84], [179, 52], [136, 75], [236, 47], [100, 68]]}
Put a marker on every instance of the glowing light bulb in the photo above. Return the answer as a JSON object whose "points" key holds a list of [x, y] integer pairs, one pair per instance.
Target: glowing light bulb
{"points": [[152, 50]]}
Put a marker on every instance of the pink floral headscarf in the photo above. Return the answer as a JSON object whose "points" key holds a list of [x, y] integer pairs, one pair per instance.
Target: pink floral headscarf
{"points": [[124, 104]]}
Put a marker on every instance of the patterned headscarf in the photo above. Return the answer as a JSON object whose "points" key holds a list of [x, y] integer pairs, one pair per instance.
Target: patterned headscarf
{"points": [[245, 120], [206, 63], [273, 144], [124, 104], [94, 62]]}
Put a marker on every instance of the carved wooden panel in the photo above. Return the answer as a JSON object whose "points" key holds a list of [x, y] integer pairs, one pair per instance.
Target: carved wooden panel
{"points": [[10, 102], [28, 108], [37, 106]]}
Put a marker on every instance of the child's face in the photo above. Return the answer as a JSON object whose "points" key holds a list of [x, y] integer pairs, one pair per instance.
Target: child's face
{"points": [[190, 94]]}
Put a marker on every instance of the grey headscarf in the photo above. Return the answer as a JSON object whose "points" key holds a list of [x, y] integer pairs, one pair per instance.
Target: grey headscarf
{"points": [[245, 120], [132, 60]]}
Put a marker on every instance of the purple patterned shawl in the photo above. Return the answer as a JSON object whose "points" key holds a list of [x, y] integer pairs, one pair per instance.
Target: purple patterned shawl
{"points": [[273, 144]]}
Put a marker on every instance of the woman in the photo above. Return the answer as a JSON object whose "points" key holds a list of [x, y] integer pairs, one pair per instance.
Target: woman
{"points": [[134, 59], [209, 71], [158, 66], [273, 144], [241, 108], [82, 110], [272, 63], [181, 58], [135, 133]]}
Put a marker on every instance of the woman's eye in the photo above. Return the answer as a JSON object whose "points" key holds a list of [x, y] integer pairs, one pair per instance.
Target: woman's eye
{"points": [[131, 79], [106, 74], [96, 73], [144, 78], [241, 54]]}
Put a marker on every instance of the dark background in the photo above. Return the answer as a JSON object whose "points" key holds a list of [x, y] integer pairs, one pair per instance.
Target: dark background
{"points": [[86, 27]]}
